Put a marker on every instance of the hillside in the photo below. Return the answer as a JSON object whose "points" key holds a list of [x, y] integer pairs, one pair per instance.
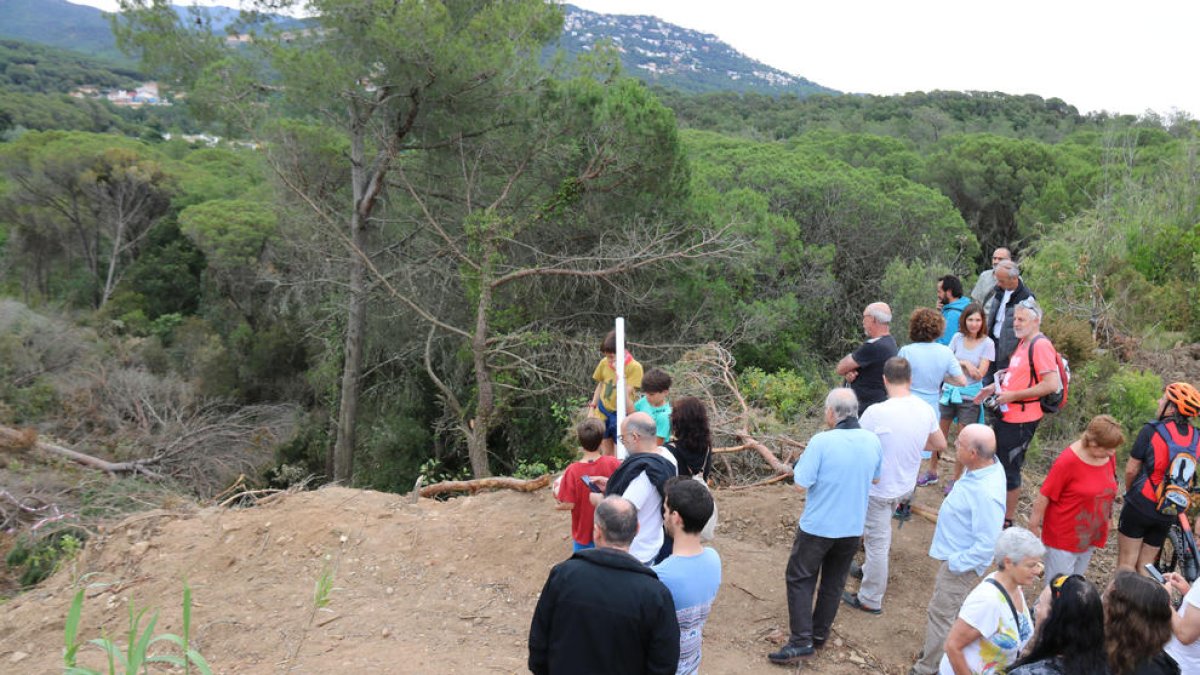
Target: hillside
{"points": [[678, 58], [653, 50]]}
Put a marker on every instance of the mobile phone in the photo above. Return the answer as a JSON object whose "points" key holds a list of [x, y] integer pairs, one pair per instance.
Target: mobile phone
{"points": [[1154, 573], [587, 480]]}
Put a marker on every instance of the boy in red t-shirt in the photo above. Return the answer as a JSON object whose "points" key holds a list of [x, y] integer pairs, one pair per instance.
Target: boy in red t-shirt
{"points": [[570, 489]]}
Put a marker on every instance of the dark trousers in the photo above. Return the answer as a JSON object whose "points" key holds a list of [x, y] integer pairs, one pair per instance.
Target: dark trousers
{"points": [[813, 556]]}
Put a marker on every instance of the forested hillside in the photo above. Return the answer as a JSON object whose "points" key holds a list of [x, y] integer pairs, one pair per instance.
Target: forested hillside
{"points": [[406, 263]]}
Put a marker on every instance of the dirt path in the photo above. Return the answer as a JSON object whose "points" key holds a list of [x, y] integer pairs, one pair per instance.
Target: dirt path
{"points": [[427, 587]]}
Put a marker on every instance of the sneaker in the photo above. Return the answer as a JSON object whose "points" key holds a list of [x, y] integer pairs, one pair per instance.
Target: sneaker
{"points": [[791, 654], [946, 490], [903, 512], [927, 478], [852, 600]]}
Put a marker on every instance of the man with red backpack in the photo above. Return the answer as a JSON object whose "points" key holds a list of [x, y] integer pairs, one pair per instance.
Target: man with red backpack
{"points": [[1033, 383], [1158, 477]]}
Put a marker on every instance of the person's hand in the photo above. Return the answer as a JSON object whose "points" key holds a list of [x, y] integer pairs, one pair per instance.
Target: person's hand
{"points": [[984, 393], [1006, 397], [1175, 581], [1036, 529], [592, 404], [851, 376], [600, 482], [555, 486]]}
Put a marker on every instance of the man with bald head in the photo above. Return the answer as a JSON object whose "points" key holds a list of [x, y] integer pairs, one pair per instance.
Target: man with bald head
{"points": [[835, 472], [641, 479], [863, 368], [603, 611], [968, 524], [987, 278]]}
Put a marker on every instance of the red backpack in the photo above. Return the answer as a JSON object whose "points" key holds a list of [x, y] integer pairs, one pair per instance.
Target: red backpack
{"points": [[1053, 402]]}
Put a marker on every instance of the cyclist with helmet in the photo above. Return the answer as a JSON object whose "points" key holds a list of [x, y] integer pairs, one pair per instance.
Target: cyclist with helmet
{"points": [[1158, 476]]}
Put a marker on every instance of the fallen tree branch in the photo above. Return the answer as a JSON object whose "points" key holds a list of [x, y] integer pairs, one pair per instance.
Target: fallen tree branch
{"points": [[478, 484], [17, 439], [772, 479]]}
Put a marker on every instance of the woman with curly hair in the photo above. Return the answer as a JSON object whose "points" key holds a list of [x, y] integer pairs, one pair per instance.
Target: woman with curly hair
{"points": [[692, 446], [932, 364], [1137, 624], [1070, 623]]}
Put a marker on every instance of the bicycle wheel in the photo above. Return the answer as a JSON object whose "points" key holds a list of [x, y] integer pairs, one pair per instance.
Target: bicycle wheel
{"points": [[1171, 555]]}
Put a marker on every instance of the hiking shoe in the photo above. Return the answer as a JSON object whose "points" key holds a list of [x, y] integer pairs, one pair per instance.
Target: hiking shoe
{"points": [[946, 490], [927, 478], [818, 643], [852, 600], [791, 654], [856, 571]]}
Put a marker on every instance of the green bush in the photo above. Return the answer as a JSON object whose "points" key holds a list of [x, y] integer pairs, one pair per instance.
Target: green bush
{"points": [[1071, 337], [37, 559], [786, 393], [1132, 397]]}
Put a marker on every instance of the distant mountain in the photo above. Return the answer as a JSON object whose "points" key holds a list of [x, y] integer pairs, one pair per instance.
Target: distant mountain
{"points": [[678, 58], [651, 49], [61, 24]]}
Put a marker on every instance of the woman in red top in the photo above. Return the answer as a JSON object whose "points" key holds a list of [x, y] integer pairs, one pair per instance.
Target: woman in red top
{"points": [[1073, 508]]}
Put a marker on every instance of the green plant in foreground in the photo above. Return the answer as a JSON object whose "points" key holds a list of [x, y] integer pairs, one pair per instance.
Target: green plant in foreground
{"points": [[136, 655]]}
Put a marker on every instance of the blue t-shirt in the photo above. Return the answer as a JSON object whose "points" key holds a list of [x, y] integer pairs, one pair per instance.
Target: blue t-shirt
{"points": [[931, 363], [661, 415], [950, 312], [693, 582], [837, 469]]}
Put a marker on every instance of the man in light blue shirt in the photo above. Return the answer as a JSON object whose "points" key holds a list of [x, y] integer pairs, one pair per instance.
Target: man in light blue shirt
{"points": [[968, 524], [836, 470]]}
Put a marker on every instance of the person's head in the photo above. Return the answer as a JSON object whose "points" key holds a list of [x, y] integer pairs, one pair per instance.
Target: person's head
{"points": [[877, 319], [972, 323], [638, 433], [1018, 555], [1070, 624], [1180, 400], [925, 325], [1137, 620], [1102, 437], [687, 506], [590, 433], [1008, 275], [689, 424], [897, 375], [975, 446], [608, 347], [1027, 318], [615, 523], [656, 385], [949, 288], [1000, 255], [840, 404]]}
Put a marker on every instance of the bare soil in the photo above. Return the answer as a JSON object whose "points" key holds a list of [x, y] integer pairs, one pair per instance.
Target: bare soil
{"points": [[426, 587]]}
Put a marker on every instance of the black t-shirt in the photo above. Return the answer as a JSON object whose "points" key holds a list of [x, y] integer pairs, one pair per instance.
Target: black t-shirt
{"points": [[1143, 451], [870, 357]]}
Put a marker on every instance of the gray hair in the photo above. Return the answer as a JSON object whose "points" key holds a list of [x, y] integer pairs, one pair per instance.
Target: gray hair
{"points": [[1010, 268], [1017, 544], [644, 426], [617, 519], [876, 311], [980, 438], [1030, 305], [842, 402]]}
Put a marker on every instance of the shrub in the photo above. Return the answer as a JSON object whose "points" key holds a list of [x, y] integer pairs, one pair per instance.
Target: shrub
{"points": [[786, 393], [1071, 337]]}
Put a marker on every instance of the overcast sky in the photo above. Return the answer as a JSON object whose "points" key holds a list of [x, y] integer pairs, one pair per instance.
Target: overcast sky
{"points": [[1122, 57]]}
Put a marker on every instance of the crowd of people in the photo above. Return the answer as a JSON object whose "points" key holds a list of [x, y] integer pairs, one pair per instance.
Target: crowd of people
{"points": [[639, 526]]}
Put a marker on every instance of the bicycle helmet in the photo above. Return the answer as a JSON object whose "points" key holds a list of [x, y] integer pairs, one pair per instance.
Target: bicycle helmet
{"points": [[1185, 397]]}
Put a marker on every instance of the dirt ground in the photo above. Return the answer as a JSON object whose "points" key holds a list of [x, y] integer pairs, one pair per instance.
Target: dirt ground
{"points": [[426, 587]]}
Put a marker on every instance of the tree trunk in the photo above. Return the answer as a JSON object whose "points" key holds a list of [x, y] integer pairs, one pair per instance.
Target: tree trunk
{"points": [[347, 419], [485, 405]]}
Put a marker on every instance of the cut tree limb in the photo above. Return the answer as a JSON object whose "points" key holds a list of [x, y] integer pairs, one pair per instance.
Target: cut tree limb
{"points": [[478, 484], [22, 439]]}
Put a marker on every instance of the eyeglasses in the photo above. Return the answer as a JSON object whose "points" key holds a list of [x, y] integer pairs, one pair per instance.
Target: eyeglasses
{"points": [[1031, 305]]}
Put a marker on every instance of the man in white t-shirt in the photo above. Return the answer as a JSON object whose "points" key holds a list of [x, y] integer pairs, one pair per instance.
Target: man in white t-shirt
{"points": [[641, 479], [905, 425]]}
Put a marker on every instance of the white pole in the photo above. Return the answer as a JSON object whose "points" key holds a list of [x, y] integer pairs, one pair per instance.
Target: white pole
{"points": [[620, 368]]}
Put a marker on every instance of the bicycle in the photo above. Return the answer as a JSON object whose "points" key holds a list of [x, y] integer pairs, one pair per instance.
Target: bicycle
{"points": [[1179, 552]]}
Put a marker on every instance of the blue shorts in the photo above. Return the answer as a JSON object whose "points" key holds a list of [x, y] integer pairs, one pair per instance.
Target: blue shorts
{"points": [[610, 421]]}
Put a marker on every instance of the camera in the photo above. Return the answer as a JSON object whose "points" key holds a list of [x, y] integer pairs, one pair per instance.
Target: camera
{"points": [[991, 402]]}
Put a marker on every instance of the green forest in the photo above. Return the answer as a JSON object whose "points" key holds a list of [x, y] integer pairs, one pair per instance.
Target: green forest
{"points": [[404, 253]]}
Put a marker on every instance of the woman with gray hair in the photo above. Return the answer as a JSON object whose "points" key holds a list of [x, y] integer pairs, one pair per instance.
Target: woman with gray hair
{"points": [[994, 623]]}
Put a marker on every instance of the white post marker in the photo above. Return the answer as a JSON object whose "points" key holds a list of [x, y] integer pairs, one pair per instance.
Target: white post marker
{"points": [[620, 368]]}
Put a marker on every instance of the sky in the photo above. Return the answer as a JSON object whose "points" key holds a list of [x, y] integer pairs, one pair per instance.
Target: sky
{"points": [[1122, 57]]}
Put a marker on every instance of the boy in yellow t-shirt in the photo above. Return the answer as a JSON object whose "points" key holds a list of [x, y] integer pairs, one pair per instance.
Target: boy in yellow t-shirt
{"points": [[604, 399]]}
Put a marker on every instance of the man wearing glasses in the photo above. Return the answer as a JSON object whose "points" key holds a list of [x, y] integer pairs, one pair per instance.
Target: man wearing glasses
{"points": [[987, 278]]}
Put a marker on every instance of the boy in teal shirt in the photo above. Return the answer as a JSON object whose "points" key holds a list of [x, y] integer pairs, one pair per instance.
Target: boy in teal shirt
{"points": [[656, 386]]}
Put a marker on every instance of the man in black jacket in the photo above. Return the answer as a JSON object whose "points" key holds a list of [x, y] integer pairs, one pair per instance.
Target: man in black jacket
{"points": [[603, 611], [1010, 290]]}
